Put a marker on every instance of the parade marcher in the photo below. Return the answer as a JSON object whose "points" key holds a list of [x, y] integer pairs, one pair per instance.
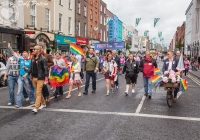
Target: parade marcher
{"points": [[39, 74], [122, 62], [23, 81], [61, 64], [50, 63], [12, 72], [90, 66], [131, 68], [147, 66], [117, 60], [110, 69], [171, 63], [186, 65], [75, 78]]}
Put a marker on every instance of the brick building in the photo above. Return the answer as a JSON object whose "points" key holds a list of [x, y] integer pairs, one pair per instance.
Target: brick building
{"points": [[93, 19], [81, 18], [102, 21]]}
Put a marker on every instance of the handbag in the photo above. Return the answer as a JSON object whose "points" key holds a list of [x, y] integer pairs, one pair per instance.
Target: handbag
{"points": [[45, 91]]}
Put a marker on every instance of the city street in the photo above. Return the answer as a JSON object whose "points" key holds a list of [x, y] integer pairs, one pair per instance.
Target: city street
{"points": [[100, 117]]}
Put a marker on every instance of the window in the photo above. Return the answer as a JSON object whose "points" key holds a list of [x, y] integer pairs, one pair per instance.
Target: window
{"points": [[104, 10], [69, 25], [101, 8], [91, 31], [101, 34], [101, 19], [11, 11], [69, 4], [47, 18], [32, 14], [90, 13], [79, 8], [79, 28], [85, 11], [60, 22], [60, 2], [85, 29]]}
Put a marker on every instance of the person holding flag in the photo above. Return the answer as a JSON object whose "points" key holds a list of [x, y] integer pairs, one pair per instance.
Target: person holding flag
{"points": [[75, 78]]}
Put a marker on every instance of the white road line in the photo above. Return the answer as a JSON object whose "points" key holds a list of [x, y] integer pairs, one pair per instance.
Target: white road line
{"points": [[72, 90], [3, 88], [109, 113], [140, 105], [193, 79]]}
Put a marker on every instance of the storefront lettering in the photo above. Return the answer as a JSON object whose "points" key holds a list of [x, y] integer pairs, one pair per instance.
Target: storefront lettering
{"points": [[81, 41], [66, 41]]}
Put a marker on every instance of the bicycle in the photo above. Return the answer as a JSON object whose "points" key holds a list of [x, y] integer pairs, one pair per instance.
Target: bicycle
{"points": [[170, 87]]}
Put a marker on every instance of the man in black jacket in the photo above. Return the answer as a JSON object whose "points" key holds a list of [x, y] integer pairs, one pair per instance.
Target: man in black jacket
{"points": [[117, 60], [39, 74]]}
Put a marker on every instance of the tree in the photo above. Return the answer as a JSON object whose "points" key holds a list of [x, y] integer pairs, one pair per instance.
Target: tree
{"points": [[127, 46], [178, 45]]}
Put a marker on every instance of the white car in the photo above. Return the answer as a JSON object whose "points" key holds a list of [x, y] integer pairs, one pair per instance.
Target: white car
{"points": [[2, 72]]}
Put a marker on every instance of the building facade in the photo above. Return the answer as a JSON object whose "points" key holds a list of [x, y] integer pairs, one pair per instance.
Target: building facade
{"points": [[93, 19], [81, 18], [188, 28], [11, 27], [102, 21], [119, 34], [113, 29], [109, 16], [132, 38]]}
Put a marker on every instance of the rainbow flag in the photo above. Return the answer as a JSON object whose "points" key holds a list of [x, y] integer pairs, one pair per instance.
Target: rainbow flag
{"points": [[75, 49], [184, 85], [156, 79], [59, 76], [157, 71]]}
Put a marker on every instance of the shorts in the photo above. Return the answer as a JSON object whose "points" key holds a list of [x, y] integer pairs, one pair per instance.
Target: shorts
{"points": [[131, 80], [107, 76]]}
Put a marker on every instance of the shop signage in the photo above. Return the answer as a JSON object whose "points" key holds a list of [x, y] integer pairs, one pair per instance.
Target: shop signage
{"points": [[109, 45], [64, 39], [81, 41]]}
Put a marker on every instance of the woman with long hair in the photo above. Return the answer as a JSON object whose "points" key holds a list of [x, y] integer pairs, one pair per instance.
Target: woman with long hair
{"points": [[75, 78], [110, 69], [186, 65]]}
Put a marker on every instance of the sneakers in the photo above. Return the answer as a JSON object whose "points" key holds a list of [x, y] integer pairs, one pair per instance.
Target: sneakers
{"points": [[112, 90], [145, 94], [85, 93], [35, 111], [17, 106], [32, 103], [133, 91], [27, 99], [149, 96], [94, 91], [9, 104], [42, 106], [108, 93], [117, 87], [126, 93]]}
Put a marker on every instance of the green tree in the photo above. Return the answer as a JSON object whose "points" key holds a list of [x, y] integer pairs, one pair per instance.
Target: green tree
{"points": [[178, 45]]}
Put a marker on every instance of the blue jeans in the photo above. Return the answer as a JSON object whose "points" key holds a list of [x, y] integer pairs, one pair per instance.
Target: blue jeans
{"points": [[12, 80], [88, 75], [24, 82], [147, 86]]}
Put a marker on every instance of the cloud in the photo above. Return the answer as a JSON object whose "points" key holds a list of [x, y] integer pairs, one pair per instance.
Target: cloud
{"points": [[170, 12]]}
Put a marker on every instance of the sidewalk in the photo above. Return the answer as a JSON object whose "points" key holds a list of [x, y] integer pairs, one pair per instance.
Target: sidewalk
{"points": [[195, 73]]}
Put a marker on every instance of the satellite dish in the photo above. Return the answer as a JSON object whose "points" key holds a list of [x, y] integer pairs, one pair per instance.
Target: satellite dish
{"points": [[95, 28]]}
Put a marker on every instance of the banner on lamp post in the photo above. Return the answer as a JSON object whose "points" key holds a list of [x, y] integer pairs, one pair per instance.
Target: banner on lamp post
{"points": [[137, 21], [156, 21]]}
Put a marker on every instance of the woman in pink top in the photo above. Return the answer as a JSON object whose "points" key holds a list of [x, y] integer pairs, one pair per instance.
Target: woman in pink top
{"points": [[122, 61], [186, 65]]}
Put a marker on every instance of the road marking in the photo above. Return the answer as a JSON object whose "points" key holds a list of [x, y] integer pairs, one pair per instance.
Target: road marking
{"points": [[3, 88], [193, 79], [108, 113], [140, 105], [72, 90]]}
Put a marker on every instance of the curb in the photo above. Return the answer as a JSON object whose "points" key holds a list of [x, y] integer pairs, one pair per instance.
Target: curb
{"points": [[198, 76]]}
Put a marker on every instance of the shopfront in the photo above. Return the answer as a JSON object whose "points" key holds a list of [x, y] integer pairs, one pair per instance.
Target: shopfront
{"points": [[83, 42], [13, 36], [47, 39], [63, 43]]}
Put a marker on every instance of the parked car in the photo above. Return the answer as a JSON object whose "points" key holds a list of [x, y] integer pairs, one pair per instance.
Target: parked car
{"points": [[2, 72]]}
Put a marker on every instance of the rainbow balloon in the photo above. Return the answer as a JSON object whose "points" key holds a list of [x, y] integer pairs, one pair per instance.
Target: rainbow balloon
{"points": [[156, 79], [184, 85], [157, 71], [59, 76], [75, 49]]}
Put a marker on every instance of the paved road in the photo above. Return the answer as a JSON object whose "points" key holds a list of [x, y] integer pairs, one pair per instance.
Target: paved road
{"points": [[100, 117]]}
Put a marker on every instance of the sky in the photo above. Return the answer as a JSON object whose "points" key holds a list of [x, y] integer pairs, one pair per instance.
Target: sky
{"points": [[170, 12]]}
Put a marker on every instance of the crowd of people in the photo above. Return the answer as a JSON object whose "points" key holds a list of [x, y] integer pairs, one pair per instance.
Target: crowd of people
{"points": [[34, 72]]}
